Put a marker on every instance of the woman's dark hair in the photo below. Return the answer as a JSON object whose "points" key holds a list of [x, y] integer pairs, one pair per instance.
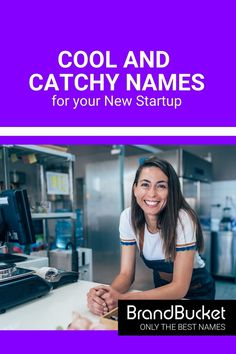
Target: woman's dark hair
{"points": [[168, 217]]}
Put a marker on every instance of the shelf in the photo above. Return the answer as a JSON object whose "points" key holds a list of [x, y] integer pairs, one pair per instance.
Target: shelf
{"points": [[53, 216], [43, 150], [46, 156]]}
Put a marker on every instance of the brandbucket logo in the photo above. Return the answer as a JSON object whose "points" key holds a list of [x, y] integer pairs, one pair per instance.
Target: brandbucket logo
{"points": [[159, 317]]}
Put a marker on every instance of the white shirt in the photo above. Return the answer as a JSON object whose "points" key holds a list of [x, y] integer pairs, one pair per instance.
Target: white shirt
{"points": [[153, 243]]}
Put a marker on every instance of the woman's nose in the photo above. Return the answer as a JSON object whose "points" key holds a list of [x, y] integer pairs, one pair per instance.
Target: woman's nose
{"points": [[152, 191]]}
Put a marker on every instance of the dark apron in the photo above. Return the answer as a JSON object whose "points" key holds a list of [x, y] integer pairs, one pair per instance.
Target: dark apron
{"points": [[202, 286]]}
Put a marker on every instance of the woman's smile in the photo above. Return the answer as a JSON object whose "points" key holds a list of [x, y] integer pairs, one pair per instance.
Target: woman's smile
{"points": [[151, 203]]}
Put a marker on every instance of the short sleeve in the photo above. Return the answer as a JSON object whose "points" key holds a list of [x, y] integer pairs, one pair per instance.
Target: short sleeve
{"points": [[186, 232], [127, 235]]}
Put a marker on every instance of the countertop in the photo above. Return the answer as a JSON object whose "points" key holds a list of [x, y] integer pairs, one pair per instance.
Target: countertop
{"points": [[50, 311]]}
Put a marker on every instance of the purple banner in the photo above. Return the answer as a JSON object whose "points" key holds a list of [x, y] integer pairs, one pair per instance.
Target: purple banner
{"points": [[97, 341], [97, 64], [111, 140], [198, 37]]}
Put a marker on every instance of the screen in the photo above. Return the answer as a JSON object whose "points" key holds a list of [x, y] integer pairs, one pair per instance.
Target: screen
{"points": [[15, 217]]}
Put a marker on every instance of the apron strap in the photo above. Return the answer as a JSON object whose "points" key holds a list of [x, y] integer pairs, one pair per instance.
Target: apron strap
{"points": [[141, 240], [159, 274]]}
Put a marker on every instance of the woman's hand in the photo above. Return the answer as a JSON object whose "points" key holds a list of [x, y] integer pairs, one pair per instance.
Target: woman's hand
{"points": [[95, 303], [111, 297]]}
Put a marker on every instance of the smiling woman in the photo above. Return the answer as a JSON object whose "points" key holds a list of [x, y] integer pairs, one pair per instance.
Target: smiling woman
{"points": [[168, 235]]}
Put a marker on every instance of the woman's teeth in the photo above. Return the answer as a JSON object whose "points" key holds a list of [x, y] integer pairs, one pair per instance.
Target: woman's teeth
{"points": [[151, 203]]}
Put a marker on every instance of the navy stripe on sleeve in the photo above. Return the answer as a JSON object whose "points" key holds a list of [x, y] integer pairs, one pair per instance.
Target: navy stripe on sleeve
{"points": [[186, 248], [123, 243]]}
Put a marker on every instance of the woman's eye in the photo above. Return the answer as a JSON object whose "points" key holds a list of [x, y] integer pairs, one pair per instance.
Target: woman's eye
{"points": [[145, 185], [161, 186]]}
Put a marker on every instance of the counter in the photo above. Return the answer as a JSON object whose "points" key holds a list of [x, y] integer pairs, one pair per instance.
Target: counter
{"points": [[52, 310]]}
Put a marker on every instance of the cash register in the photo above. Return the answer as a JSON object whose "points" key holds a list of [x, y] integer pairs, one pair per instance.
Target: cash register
{"points": [[17, 285]]}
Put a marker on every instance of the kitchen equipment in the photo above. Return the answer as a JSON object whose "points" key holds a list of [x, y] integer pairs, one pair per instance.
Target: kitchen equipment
{"points": [[64, 259], [57, 277], [19, 285], [226, 221], [224, 253], [206, 254]]}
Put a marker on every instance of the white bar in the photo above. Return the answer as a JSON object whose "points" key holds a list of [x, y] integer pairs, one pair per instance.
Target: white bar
{"points": [[118, 131]]}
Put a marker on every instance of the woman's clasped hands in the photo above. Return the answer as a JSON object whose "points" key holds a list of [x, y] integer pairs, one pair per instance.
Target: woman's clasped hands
{"points": [[102, 299]]}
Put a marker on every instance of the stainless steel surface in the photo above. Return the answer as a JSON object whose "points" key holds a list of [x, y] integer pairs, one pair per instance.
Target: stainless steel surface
{"points": [[174, 158], [188, 165], [206, 254], [196, 168], [191, 192], [224, 253], [121, 169], [5, 168], [205, 199], [43, 191], [103, 207], [71, 183]]}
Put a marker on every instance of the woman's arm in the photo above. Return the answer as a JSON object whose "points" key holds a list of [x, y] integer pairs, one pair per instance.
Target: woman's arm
{"points": [[177, 289], [120, 284], [125, 278]]}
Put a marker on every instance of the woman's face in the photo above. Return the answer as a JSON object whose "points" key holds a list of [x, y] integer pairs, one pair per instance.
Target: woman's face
{"points": [[151, 191]]}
